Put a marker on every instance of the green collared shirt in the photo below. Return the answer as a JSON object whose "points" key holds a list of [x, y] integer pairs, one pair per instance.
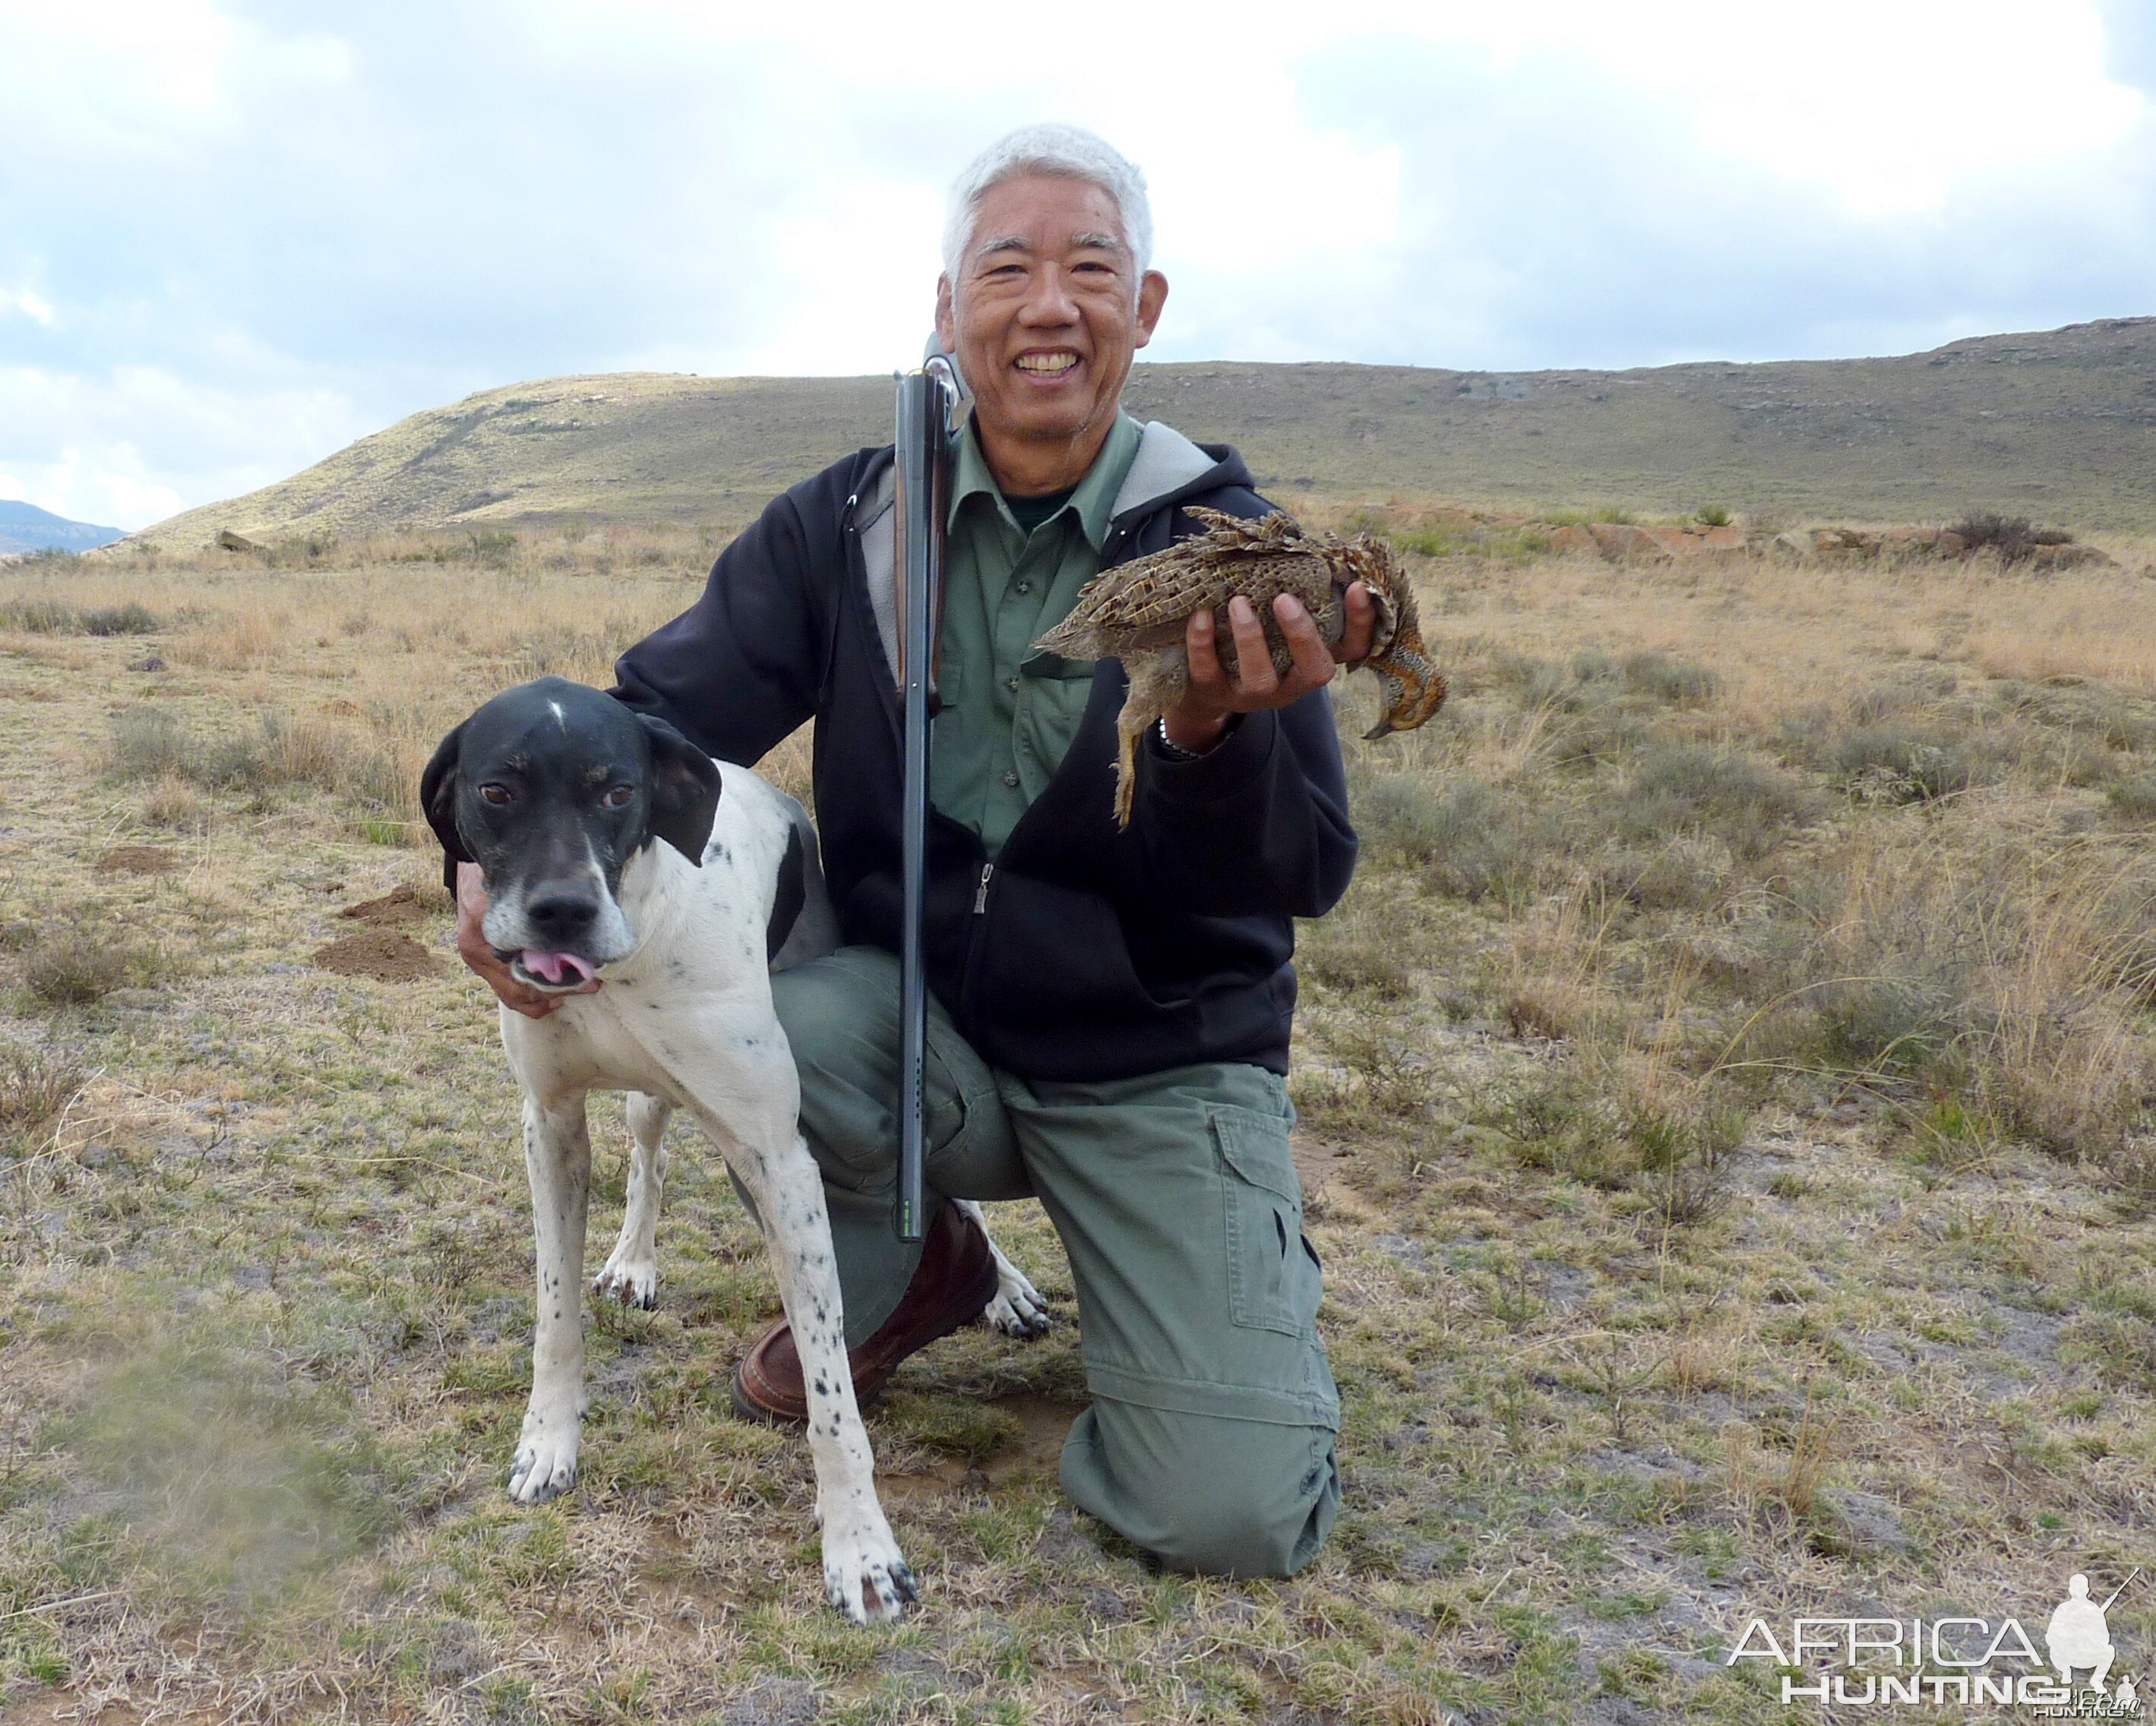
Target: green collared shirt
{"points": [[1009, 712]]}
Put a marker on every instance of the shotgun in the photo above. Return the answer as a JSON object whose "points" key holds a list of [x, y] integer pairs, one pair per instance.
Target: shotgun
{"points": [[932, 406]]}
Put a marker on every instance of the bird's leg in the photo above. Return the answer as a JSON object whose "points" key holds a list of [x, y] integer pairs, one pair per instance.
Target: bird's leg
{"points": [[1130, 727]]}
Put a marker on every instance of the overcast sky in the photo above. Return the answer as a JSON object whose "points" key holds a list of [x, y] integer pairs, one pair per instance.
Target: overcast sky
{"points": [[235, 236]]}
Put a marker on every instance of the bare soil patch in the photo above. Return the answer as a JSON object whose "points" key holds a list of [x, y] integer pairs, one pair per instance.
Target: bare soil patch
{"points": [[398, 907], [1034, 1448], [380, 955], [138, 859]]}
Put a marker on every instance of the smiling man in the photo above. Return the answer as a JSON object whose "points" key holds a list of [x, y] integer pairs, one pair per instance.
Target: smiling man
{"points": [[1109, 1024]]}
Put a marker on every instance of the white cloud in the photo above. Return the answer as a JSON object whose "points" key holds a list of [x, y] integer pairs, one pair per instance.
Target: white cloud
{"points": [[32, 306], [142, 442], [236, 243]]}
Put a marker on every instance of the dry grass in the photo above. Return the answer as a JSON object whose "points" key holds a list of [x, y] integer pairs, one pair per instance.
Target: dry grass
{"points": [[1727, 1123]]}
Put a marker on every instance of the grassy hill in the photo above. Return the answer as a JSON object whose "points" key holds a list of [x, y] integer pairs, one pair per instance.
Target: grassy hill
{"points": [[2060, 425]]}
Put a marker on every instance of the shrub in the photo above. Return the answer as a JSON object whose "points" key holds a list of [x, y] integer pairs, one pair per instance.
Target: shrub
{"points": [[563, 650], [2134, 799], [1684, 1159], [1511, 545], [1536, 682], [49, 617], [493, 548], [1680, 786], [1462, 836], [151, 743], [1678, 682], [148, 744], [1405, 817], [36, 617], [128, 619], [1688, 873], [73, 963], [1558, 1123], [1888, 1025], [1368, 970], [1711, 515], [1890, 764], [2014, 537], [1434, 541], [35, 1085]]}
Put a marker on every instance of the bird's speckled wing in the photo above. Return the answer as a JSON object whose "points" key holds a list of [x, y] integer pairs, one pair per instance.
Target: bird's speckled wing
{"points": [[1148, 602]]}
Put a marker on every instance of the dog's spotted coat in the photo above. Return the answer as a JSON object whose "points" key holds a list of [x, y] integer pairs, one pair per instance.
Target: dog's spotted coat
{"points": [[683, 1020]]}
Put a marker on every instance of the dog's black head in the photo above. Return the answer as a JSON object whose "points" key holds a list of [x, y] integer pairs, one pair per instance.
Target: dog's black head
{"points": [[551, 787]]}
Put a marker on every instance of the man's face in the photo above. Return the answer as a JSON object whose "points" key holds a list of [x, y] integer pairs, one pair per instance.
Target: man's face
{"points": [[1048, 311]]}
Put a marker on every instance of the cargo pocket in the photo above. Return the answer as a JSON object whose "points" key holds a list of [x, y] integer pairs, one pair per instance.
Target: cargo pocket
{"points": [[1273, 1278]]}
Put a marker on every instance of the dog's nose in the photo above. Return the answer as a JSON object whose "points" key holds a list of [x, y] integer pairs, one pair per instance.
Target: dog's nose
{"points": [[562, 914]]}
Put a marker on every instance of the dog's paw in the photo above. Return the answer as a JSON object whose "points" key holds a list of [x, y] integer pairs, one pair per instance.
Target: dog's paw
{"points": [[545, 1466], [1018, 1309], [628, 1284], [866, 1579]]}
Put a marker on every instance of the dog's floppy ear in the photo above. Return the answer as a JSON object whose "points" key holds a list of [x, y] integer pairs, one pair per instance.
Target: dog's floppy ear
{"points": [[685, 789], [437, 796]]}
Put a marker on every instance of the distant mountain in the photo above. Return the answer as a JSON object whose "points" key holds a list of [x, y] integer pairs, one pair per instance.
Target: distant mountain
{"points": [[25, 527], [2059, 426]]}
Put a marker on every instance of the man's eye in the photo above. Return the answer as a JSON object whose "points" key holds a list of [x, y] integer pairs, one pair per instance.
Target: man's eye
{"points": [[495, 795], [616, 797]]}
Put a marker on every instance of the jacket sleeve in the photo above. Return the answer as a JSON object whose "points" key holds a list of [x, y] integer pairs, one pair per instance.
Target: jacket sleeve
{"points": [[741, 669], [1256, 826]]}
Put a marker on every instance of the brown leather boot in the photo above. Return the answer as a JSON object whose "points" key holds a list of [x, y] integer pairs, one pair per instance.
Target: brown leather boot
{"points": [[951, 1286]]}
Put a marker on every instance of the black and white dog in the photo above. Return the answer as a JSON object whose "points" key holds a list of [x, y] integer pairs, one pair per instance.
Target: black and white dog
{"points": [[611, 847]]}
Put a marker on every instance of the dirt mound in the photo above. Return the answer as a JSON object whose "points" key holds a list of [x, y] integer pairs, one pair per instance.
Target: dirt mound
{"points": [[408, 904], [381, 954], [138, 859]]}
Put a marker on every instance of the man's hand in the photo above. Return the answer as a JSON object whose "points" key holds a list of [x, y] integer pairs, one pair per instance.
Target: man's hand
{"points": [[472, 948], [1200, 719]]}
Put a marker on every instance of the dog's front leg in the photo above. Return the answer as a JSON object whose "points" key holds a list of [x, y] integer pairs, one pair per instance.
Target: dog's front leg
{"points": [[557, 1156], [630, 1274], [864, 1574]]}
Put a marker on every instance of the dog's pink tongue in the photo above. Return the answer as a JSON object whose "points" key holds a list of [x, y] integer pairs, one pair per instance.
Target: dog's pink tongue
{"points": [[555, 967]]}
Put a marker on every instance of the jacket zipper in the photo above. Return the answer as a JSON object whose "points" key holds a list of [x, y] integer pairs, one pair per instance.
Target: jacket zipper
{"points": [[1121, 537]]}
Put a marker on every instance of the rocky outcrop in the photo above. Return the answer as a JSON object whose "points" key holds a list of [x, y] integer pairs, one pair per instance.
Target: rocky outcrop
{"points": [[1857, 545], [1625, 542]]}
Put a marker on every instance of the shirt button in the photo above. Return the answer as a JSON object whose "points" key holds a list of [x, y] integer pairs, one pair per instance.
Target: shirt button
{"points": [[1025, 587], [1010, 683], [1010, 778]]}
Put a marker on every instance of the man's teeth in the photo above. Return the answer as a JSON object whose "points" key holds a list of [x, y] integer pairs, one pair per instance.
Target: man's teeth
{"points": [[1046, 362]]}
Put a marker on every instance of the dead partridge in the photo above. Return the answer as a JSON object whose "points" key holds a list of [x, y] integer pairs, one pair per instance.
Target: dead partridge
{"points": [[1147, 604]]}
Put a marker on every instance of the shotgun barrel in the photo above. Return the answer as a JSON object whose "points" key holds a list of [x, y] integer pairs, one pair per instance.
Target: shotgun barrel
{"points": [[928, 401]]}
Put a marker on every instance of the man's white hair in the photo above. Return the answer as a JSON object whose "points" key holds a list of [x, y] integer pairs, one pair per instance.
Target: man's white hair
{"points": [[1061, 153]]}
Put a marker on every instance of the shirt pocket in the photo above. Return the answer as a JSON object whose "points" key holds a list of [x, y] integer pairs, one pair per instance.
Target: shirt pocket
{"points": [[1273, 1281], [1054, 692]]}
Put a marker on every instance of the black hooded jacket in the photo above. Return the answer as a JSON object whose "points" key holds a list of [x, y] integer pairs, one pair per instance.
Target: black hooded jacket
{"points": [[1085, 952]]}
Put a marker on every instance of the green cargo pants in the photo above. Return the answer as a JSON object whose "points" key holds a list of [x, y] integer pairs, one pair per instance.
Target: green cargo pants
{"points": [[1210, 1438]]}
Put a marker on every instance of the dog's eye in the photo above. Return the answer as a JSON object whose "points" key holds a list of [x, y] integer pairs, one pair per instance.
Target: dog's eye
{"points": [[617, 796], [495, 795]]}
